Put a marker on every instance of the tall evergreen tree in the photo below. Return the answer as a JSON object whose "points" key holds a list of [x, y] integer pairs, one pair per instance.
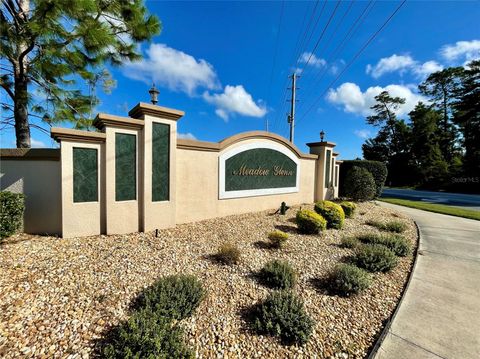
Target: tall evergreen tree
{"points": [[53, 44], [467, 117]]}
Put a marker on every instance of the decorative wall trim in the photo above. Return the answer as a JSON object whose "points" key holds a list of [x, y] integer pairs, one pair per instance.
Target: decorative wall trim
{"points": [[30, 154], [59, 134], [104, 119], [142, 109], [223, 194]]}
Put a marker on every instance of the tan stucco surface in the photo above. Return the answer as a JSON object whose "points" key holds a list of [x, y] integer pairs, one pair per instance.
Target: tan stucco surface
{"points": [[40, 181]]}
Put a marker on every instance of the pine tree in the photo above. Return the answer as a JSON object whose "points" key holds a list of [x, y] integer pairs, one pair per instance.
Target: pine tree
{"points": [[56, 46]]}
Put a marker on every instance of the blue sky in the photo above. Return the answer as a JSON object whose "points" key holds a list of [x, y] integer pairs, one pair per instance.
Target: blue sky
{"points": [[216, 61]]}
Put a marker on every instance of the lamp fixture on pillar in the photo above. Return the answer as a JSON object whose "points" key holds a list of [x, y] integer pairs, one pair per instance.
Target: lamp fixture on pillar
{"points": [[154, 94], [322, 135]]}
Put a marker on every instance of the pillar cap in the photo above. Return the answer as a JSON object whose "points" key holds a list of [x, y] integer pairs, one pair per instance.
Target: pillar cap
{"points": [[69, 134], [142, 109], [321, 144], [105, 119]]}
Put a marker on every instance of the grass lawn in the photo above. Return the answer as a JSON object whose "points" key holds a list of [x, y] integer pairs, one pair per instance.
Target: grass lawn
{"points": [[432, 207]]}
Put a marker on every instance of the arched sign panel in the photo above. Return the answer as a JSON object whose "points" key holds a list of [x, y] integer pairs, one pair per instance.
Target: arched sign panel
{"points": [[256, 169]]}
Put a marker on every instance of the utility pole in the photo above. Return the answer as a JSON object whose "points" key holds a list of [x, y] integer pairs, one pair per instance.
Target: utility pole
{"points": [[291, 117]]}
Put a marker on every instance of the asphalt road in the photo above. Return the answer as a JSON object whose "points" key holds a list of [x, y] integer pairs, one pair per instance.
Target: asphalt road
{"points": [[467, 201]]}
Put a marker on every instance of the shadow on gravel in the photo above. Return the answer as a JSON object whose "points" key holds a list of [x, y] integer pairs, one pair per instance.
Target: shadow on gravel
{"points": [[263, 245], [286, 228]]}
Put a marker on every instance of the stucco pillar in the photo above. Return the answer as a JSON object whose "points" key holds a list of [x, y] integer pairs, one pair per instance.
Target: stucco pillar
{"points": [[324, 170]]}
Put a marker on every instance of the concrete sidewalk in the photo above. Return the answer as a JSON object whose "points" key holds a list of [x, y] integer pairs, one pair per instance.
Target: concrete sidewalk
{"points": [[439, 316]]}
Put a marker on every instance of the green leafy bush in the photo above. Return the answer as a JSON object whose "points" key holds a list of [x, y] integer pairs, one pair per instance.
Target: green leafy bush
{"points": [[347, 279], [374, 258], [359, 184], [278, 274], [349, 242], [310, 222], [176, 296], [376, 168], [332, 212], [392, 226], [277, 238], [228, 254], [147, 335], [12, 206], [282, 314], [348, 208], [396, 243]]}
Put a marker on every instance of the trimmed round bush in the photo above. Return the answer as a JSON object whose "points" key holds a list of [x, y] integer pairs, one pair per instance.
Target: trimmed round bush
{"points": [[396, 243], [278, 274], [348, 279], [348, 208], [310, 222], [359, 184], [228, 254], [277, 238], [147, 335], [175, 297], [349, 242], [12, 206], [332, 212], [282, 314], [376, 168], [374, 258]]}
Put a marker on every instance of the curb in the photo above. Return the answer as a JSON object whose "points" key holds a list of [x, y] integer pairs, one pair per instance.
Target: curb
{"points": [[386, 328]]}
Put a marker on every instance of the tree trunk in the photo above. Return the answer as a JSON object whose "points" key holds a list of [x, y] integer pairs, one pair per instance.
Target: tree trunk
{"points": [[20, 111]]}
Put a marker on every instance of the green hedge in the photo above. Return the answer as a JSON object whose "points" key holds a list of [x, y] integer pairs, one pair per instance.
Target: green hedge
{"points": [[376, 168], [359, 185], [12, 206]]}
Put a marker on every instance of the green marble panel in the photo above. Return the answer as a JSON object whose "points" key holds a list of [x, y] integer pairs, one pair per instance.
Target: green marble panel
{"points": [[85, 175], [327, 168], [125, 167], [160, 162], [259, 168], [336, 176]]}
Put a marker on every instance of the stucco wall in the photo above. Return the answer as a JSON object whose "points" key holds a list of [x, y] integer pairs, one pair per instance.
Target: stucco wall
{"points": [[40, 182], [197, 188]]}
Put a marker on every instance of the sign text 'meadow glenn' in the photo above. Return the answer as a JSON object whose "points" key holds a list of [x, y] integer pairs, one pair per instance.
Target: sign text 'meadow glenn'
{"points": [[261, 171]]}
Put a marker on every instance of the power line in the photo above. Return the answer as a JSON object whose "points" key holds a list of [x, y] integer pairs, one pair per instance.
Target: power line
{"points": [[374, 35], [274, 59]]}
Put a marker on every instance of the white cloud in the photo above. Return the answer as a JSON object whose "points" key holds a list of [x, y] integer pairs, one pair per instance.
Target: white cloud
{"points": [[173, 69], [364, 134], [36, 143], [314, 60], [427, 68], [461, 50], [393, 63], [186, 136], [353, 100], [235, 100]]}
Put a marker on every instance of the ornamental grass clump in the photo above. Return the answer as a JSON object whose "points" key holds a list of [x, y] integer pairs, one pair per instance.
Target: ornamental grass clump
{"points": [[374, 258], [228, 254], [347, 279], [348, 208], [332, 212], [392, 226], [283, 315], [147, 335], [396, 243], [349, 242], [277, 238], [278, 274], [176, 297], [310, 222]]}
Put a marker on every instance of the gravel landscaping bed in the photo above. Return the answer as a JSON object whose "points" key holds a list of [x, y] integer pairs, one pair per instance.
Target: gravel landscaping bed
{"points": [[58, 297]]}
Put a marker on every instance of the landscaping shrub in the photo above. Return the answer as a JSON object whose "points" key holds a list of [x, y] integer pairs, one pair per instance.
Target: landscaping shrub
{"points": [[392, 226], [359, 184], [282, 314], [11, 212], [348, 279], [376, 168], [277, 238], [147, 335], [278, 274], [375, 258], [349, 242], [394, 242], [332, 212], [175, 297], [348, 208], [310, 222], [228, 254]]}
